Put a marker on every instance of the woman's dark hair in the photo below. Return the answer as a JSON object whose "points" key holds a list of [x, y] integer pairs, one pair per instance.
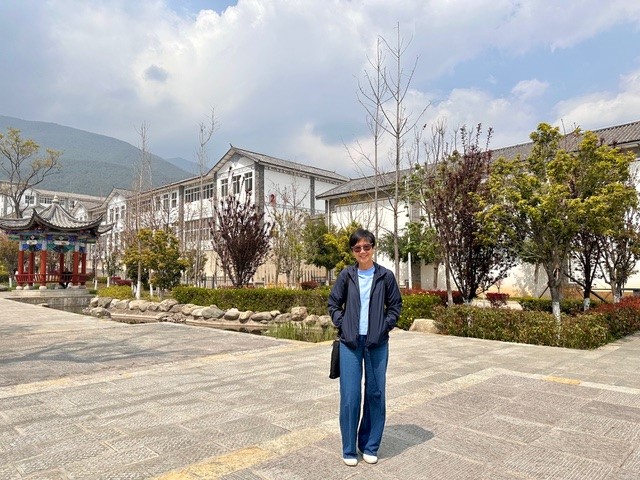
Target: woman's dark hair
{"points": [[360, 234]]}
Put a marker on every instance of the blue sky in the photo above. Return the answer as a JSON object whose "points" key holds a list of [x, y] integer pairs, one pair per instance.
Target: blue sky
{"points": [[282, 75]]}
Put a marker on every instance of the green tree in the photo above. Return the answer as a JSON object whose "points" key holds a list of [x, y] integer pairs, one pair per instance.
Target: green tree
{"points": [[339, 241], [158, 254], [241, 238], [546, 198], [602, 183], [8, 254], [22, 167], [317, 249]]}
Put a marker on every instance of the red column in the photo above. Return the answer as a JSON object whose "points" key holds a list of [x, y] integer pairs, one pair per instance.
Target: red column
{"points": [[74, 278], [43, 269], [83, 268], [61, 267], [20, 264], [31, 268]]}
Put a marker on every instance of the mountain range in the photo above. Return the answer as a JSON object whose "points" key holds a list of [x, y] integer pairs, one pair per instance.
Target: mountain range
{"points": [[93, 164]]}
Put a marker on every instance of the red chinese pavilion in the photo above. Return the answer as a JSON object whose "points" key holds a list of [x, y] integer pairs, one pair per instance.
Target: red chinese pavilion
{"points": [[52, 231]]}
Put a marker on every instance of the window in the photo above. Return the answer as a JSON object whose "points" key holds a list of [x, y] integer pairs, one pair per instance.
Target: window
{"points": [[174, 199], [165, 201], [235, 184], [248, 181], [207, 191], [117, 216], [29, 199], [111, 215], [122, 212], [72, 203], [191, 194], [224, 187], [46, 200]]}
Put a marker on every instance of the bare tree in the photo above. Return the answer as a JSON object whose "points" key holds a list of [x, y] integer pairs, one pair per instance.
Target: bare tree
{"points": [[143, 184], [22, 167], [289, 219], [205, 132], [241, 238], [397, 121]]}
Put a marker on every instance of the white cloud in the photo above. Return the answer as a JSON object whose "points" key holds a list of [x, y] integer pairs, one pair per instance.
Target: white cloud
{"points": [[282, 74], [603, 109], [527, 89]]}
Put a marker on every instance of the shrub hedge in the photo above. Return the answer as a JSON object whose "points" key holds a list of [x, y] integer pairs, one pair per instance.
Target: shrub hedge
{"points": [[583, 331], [121, 292], [570, 307], [256, 299], [417, 306]]}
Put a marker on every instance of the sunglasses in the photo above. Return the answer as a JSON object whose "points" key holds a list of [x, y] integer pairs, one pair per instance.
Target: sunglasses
{"points": [[360, 248]]}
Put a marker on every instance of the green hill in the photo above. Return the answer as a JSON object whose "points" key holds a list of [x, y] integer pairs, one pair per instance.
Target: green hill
{"points": [[91, 164]]}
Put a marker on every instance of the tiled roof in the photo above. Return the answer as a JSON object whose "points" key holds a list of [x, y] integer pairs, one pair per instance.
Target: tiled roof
{"points": [[619, 135], [54, 217], [289, 165]]}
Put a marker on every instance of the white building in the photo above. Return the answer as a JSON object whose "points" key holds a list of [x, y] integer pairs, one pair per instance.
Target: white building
{"points": [[187, 206]]}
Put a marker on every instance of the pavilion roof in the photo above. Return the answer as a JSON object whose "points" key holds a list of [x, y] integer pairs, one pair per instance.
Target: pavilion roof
{"points": [[53, 218]]}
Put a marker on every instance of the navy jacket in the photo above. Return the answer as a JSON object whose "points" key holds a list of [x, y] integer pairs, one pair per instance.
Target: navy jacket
{"points": [[384, 306]]}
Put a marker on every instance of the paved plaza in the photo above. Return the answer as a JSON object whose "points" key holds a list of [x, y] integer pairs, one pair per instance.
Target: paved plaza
{"points": [[87, 398]]}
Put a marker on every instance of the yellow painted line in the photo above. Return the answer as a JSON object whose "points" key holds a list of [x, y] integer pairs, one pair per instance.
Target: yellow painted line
{"points": [[568, 381], [221, 465]]}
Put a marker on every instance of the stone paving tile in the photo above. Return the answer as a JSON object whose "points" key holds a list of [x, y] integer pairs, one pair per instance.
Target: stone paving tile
{"points": [[586, 446], [8, 472], [507, 428], [180, 458], [550, 464], [249, 437], [618, 412], [476, 446], [434, 463]]}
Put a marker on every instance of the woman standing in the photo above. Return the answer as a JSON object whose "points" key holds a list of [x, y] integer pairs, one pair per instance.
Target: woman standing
{"points": [[364, 305]]}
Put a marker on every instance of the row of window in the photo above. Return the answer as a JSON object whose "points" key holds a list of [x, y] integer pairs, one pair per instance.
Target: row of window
{"points": [[44, 200]]}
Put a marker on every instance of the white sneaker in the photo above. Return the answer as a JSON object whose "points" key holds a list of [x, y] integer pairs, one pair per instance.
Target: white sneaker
{"points": [[352, 462], [369, 458]]}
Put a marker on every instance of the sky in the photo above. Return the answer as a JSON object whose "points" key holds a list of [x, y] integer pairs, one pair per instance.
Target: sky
{"points": [[281, 77]]}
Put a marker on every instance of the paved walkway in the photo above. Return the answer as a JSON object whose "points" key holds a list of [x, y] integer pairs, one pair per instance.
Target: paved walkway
{"points": [[84, 398]]}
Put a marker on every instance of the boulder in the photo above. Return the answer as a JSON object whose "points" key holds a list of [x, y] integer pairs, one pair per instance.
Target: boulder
{"points": [[245, 316], [140, 305], [282, 318], [188, 308], [93, 303], [298, 314], [177, 308], [324, 321], [212, 312], [103, 302], [261, 317], [121, 305], [311, 320], [152, 307], [163, 317], [100, 312], [165, 305], [423, 325], [197, 312], [232, 314]]}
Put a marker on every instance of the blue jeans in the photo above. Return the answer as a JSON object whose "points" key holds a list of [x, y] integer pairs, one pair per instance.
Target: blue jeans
{"points": [[366, 431]]}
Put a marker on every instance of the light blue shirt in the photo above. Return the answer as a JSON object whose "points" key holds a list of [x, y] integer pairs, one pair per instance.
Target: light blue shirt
{"points": [[365, 280]]}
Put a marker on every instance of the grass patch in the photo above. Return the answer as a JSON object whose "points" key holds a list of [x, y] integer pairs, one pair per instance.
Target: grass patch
{"points": [[301, 332]]}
